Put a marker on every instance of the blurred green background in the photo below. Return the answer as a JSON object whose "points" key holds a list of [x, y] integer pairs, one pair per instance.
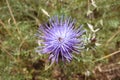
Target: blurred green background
{"points": [[19, 21]]}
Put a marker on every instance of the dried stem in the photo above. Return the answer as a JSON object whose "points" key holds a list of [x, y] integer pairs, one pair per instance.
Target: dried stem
{"points": [[11, 13], [112, 37], [5, 27], [10, 55], [107, 56]]}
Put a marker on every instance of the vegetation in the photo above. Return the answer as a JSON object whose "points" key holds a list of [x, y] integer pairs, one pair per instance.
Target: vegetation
{"points": [[19, 22]]}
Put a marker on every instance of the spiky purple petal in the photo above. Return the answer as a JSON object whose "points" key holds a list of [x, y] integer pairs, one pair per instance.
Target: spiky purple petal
{"points": [[60, 38]]}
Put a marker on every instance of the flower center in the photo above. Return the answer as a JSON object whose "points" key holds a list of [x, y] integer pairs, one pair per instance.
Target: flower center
{"points": [[59, 39]]}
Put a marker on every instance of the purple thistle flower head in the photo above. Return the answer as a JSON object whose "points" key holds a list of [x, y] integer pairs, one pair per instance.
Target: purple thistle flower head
{"points": [[60, 38]]}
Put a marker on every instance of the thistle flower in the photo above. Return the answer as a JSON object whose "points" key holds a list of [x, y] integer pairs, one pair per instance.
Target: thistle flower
{"points": [[60, 39]]}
